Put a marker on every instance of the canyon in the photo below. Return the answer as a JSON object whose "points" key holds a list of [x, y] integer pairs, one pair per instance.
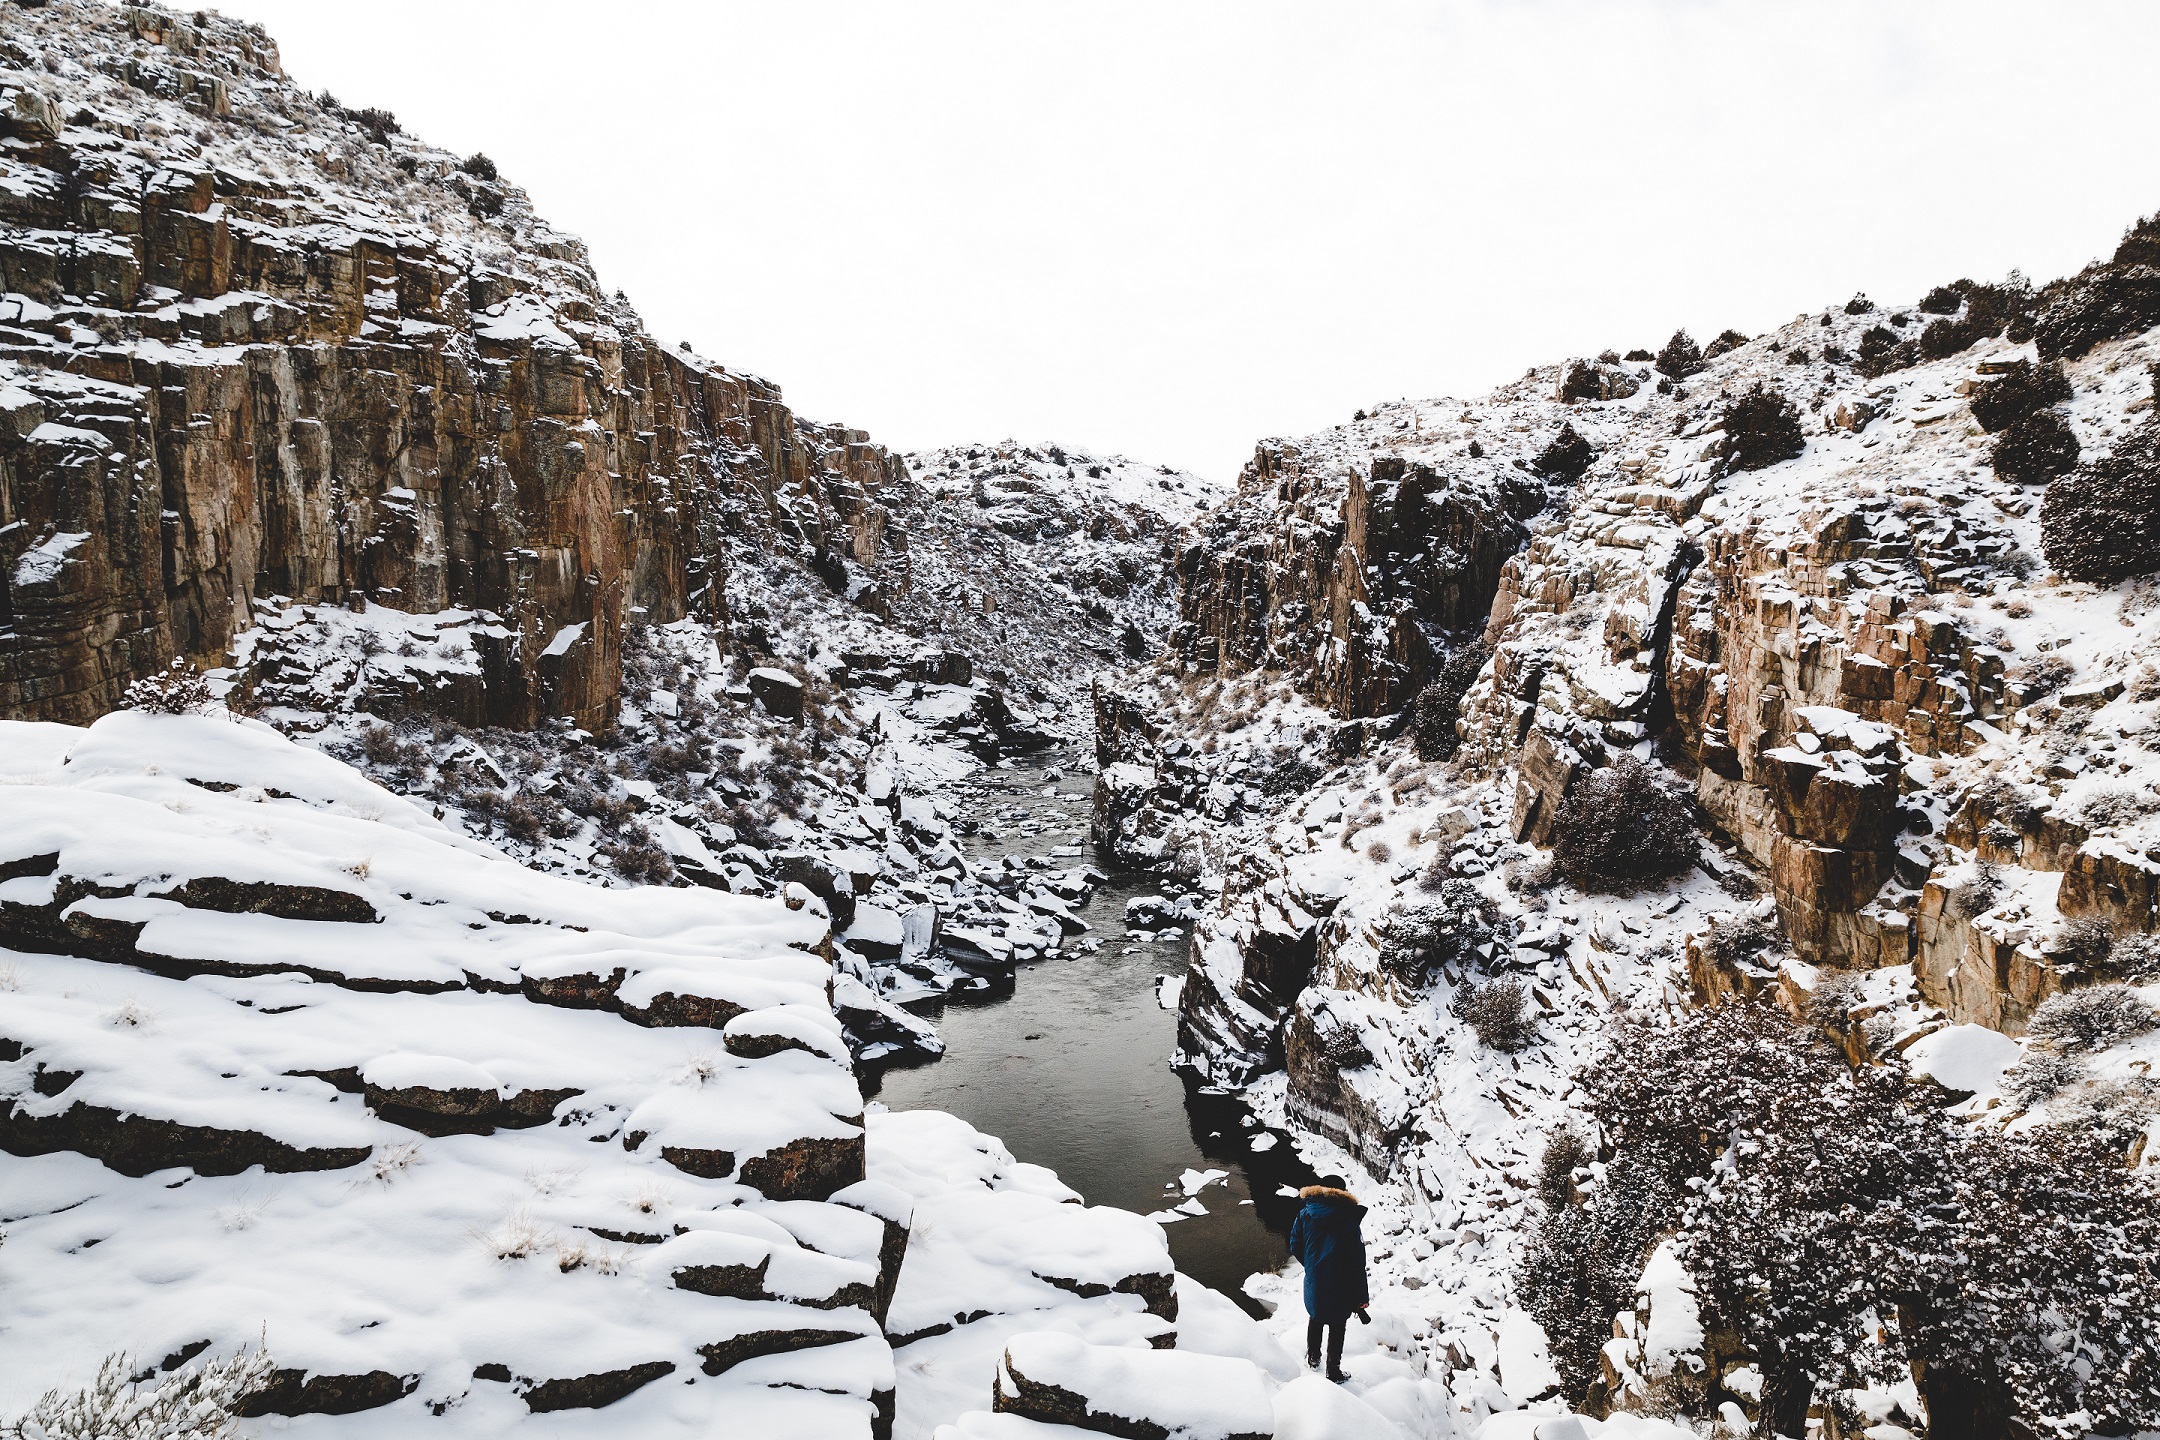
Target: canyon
{"points": [[496, 794]]}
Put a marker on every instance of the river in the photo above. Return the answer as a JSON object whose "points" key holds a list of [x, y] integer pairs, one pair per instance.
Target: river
{"points": [[1070, 1065]]}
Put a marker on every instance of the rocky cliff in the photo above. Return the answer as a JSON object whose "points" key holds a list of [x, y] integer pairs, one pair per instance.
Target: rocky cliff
{"points": [[1800, 577], [255, 344], [1354, 559]]}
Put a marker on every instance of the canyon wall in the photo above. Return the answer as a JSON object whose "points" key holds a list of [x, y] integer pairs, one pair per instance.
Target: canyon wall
{"points": [[254, 344]]}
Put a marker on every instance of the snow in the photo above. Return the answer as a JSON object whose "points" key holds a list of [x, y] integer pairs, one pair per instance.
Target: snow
{"points": [[402, 1069], [1204, 1397], [1526, 1369], [42, 564], [1967, 1058], [1675, 1331]]}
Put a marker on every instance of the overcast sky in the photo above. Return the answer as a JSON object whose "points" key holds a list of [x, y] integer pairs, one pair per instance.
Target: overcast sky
{"points": [[1171, 229]]}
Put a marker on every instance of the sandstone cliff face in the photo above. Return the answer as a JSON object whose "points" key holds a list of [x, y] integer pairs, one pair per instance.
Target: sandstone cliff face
{"points": [[252, 347], [1933, 758], [1351, 559]]}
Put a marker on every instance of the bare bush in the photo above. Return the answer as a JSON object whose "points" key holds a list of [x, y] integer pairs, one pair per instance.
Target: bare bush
{"points": [[2081, 1022], [175, 690], [1499, 1011]]}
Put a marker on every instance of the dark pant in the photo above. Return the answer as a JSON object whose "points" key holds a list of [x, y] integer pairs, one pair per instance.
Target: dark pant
{"points": [[1334, 1343]]}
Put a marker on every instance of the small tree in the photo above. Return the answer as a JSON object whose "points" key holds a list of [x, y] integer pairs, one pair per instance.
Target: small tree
{"points": [[1567, 457], [2022, 390], [1681, 356], [1622, 828], [1761, 427]]}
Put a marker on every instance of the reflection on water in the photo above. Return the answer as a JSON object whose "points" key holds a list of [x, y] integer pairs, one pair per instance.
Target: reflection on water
{"points": [[1069, 1066]]}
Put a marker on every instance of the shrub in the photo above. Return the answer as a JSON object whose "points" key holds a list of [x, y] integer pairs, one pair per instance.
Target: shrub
{"points": [[1738, 939], [1565, 1152], [1290, 775], [1762, 427], [1622, 828], [2106, 302], [2035, 449], [1497, 1011], [480, 167], [176, 690], [379, 124], [190, 1402], [1344, 1047], [1681, 356], [2114, 805], [638, 858], [1976, 894], [1942, 300], [1726, 342], [2043, 676], [1439, 705], [1567, 457], [1859, 305], [2084, 943], [2042, 1074], [2136, 957], [2082, 1022], [1580, 383], [1456, 926], [2102, 522], [2018, 392]]}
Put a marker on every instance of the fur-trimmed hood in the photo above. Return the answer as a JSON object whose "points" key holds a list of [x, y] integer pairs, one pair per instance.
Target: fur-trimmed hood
{"points": [[1327, 1192]]}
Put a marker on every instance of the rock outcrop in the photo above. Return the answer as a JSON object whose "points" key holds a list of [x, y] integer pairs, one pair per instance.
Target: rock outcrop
{"points": [[353, 369], [1351, 558]]}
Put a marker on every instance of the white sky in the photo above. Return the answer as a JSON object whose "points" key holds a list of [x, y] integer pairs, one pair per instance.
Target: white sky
{"points": [[1170, 229]]}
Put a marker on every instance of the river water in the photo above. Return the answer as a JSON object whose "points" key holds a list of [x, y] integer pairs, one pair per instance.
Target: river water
{"points": [[1070, 1065]]}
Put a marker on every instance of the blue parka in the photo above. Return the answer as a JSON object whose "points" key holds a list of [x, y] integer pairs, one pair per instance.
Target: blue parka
{"points": [[1325, 1240]]}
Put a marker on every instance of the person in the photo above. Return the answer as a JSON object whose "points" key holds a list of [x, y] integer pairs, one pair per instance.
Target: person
{"points": [[1325, 1240]]}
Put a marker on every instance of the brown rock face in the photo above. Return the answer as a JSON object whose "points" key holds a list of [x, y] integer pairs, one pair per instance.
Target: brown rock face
{"points": [[324, 386], [1803, 694], [1350, 574]]}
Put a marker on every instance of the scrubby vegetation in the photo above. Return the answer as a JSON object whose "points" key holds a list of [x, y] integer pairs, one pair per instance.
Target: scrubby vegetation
{"points": [[1439, 705], [2080, 1022], [1567, 457], [2018, 392], [1446, 932], [2101, 523], [1498, 1010], [2103, 302], [176, 690], [1761, 428], [1681, 356], [1846, 1233], [1622, 828], [2035, 449]]}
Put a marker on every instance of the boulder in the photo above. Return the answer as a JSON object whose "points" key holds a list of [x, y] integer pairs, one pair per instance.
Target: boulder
{"points": [[778, 691], [1134, 1393], [436, 1084]]}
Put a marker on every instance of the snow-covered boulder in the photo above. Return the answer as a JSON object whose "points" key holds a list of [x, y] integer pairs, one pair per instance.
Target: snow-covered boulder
{"points": [[1143, 1394]]}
